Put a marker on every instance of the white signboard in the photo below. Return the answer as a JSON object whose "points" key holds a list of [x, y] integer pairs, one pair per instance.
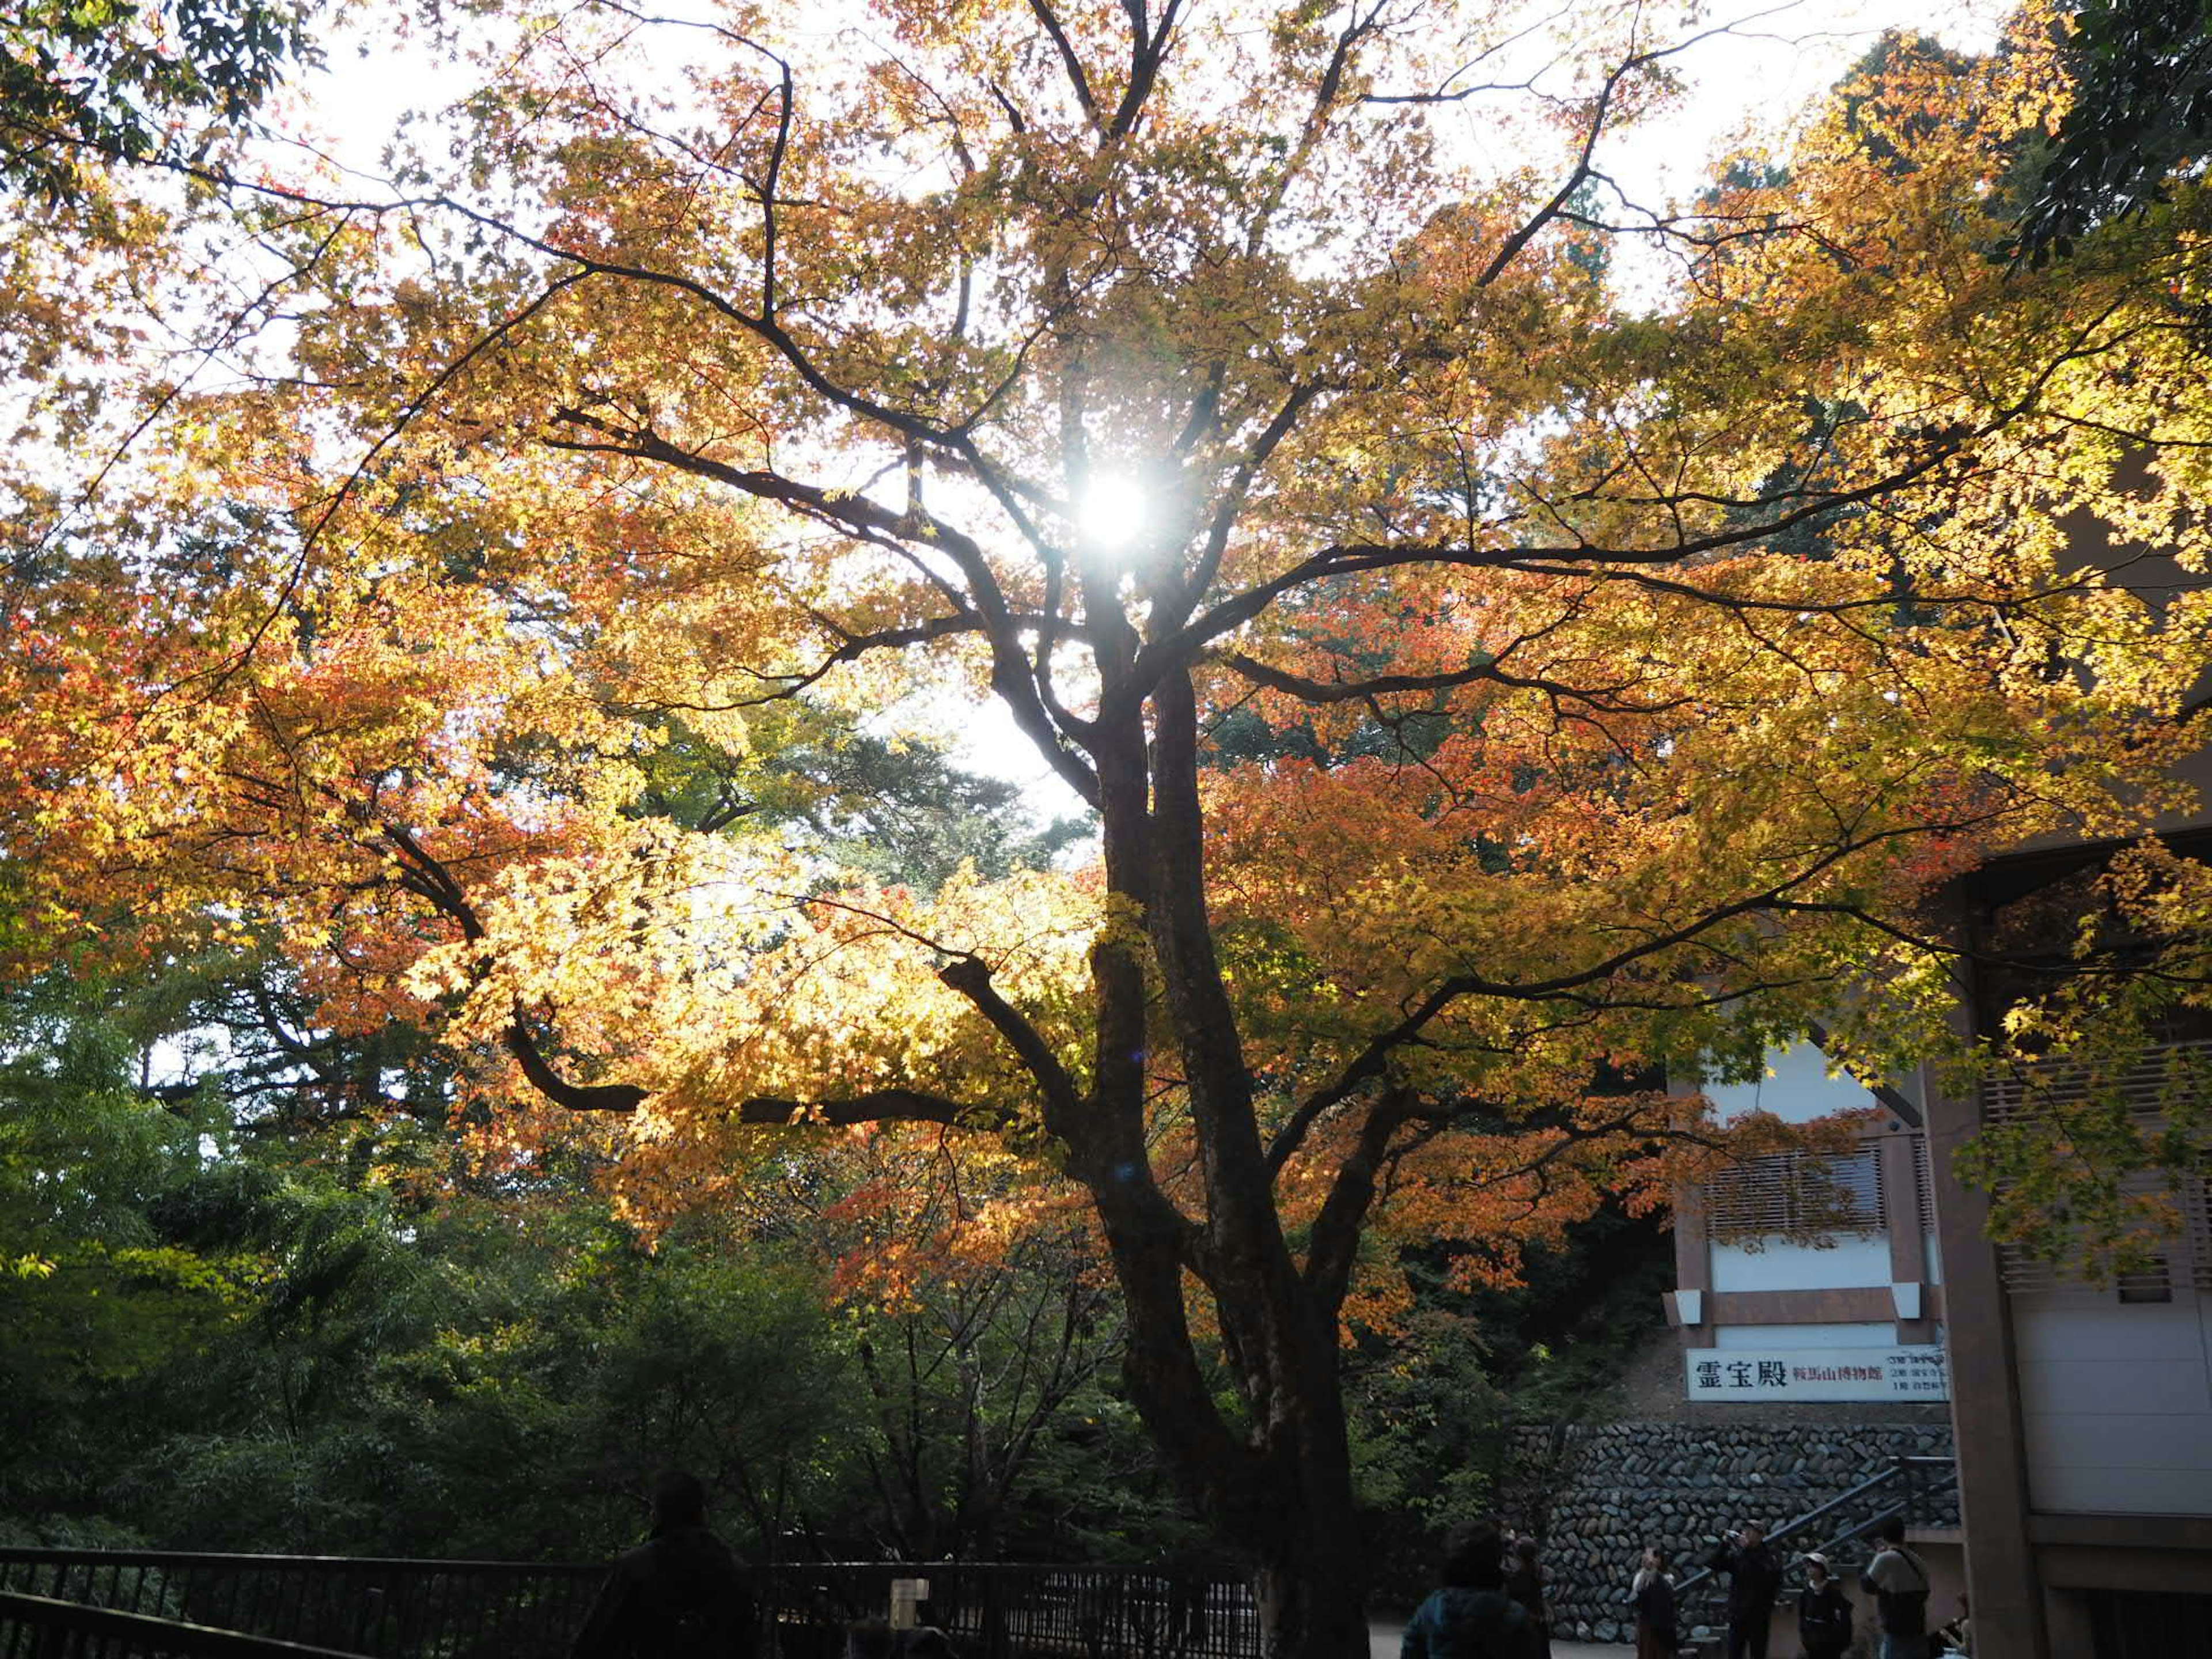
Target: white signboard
{"points": [[1754, 1374], [906, 1595]]}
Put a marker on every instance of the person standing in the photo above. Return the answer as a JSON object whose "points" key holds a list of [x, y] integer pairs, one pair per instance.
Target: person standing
{"points": [[1653, 1591], [1898, 1580], [679, 1596], [1823, 1612], [1754, 1580], [1524, 1582], [1471, 1616]]}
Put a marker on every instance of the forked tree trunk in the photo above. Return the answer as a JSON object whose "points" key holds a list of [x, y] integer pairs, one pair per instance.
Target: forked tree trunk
{"points": [[1275, 1484]]}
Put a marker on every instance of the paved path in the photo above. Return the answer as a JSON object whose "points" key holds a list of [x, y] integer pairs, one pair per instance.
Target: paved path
{"points": [[1383, 1644]]}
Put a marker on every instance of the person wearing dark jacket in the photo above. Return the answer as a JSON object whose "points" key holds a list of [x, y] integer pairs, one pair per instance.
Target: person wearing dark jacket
{"points": [[1754, 1580], [1823, 1612], [679, 1596], [1652, 1590], [1471, 1617], [1524, 1582]]}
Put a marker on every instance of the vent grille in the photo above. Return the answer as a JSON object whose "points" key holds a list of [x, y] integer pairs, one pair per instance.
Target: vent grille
{"points": [[2152, 1283], [2187, 1258], [1799, 1195], [1923, 1180], [2023, 1272], [2143, 1086]]}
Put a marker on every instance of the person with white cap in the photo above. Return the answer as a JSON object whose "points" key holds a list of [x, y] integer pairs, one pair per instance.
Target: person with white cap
{"points": [[1823, 1612]]}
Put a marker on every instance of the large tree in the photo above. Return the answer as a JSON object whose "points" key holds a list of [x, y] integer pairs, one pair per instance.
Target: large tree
{"points": [[1632, 638]]}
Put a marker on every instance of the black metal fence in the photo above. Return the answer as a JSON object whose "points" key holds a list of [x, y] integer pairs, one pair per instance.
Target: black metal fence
{"points": [[390, 1609], [403, 1609], [40, 1627], [1006, 1611]]}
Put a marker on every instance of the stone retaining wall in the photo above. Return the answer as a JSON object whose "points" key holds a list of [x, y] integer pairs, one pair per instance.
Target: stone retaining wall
{"points": [[1613, 1488]]}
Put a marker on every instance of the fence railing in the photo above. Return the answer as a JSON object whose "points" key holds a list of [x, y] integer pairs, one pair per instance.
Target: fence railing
{"points": [[999, 1610], [409, 1609], [387, 1609], [40, 1627]]}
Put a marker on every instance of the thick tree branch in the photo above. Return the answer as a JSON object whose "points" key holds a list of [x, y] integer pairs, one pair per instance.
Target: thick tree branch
{"points": [[1372, 1062], [1010, 670], [1077, 82], [1333, 1248], [1177, 604], [1310, 691], [877, 1106], [971, 976], [428, 876]]}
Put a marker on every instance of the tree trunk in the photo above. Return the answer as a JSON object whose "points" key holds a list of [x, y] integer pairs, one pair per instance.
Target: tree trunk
{"points": [[1311, 1582], [1313, 1610], [1275, 1483]]}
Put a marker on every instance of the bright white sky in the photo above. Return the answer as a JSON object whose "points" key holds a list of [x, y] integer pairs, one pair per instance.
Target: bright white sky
{"points": [[1773, 63]]}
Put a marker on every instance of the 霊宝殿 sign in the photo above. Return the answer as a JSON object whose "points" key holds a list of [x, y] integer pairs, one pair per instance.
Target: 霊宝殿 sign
{"points": [[1754, 1374]]}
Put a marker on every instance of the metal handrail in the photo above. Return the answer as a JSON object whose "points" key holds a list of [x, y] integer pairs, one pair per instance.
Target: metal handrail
{"points": [[1897, 1469], [391, 1609], [128, 1635]]}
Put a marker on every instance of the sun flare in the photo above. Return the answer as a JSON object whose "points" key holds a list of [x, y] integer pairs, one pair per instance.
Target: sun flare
{"points": [[1113, 512]]}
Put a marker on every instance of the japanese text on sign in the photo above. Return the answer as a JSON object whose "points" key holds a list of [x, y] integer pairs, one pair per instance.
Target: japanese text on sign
{"points": [[1890, 1373]]}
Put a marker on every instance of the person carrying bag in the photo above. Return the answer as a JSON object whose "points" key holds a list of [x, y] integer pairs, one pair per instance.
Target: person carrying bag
{"points": [[1898, 1580]]}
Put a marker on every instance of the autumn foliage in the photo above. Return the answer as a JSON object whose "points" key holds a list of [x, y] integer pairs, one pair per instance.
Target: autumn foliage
{"points": [[1526, 674]]}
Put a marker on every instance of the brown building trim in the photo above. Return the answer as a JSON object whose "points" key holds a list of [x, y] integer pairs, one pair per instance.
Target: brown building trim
{"points": [[1859, 1304], [1986, 1416], [2080, 1566], [2168, 1532], [1694, 1257], [1908, 1230]]}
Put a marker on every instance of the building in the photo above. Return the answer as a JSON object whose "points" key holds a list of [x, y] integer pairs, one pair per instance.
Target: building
{"points": [[1802, 1278], [2081, 1413], [1812, 1288]]}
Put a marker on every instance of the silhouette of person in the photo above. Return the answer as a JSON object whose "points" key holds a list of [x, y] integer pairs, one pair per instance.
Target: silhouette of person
{"points": [[677, 1596], [1471, 1617], [1524, 1582]]}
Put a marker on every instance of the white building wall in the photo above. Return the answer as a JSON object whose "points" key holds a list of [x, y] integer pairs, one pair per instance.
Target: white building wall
{"points": [[1797, 1089], [1805, 1336], [2117, 1401], [1854, 1260]]}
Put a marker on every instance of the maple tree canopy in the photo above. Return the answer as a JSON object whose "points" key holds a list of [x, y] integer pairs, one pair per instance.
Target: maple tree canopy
{"points": [[1513, 679]]}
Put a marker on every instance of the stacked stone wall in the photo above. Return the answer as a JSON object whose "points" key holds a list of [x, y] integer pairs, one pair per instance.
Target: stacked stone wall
{"points": [[1613, 1488]]}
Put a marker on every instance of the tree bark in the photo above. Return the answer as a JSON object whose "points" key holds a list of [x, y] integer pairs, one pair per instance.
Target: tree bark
{"points": [[1311, 1579], [1280, 1491]]}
